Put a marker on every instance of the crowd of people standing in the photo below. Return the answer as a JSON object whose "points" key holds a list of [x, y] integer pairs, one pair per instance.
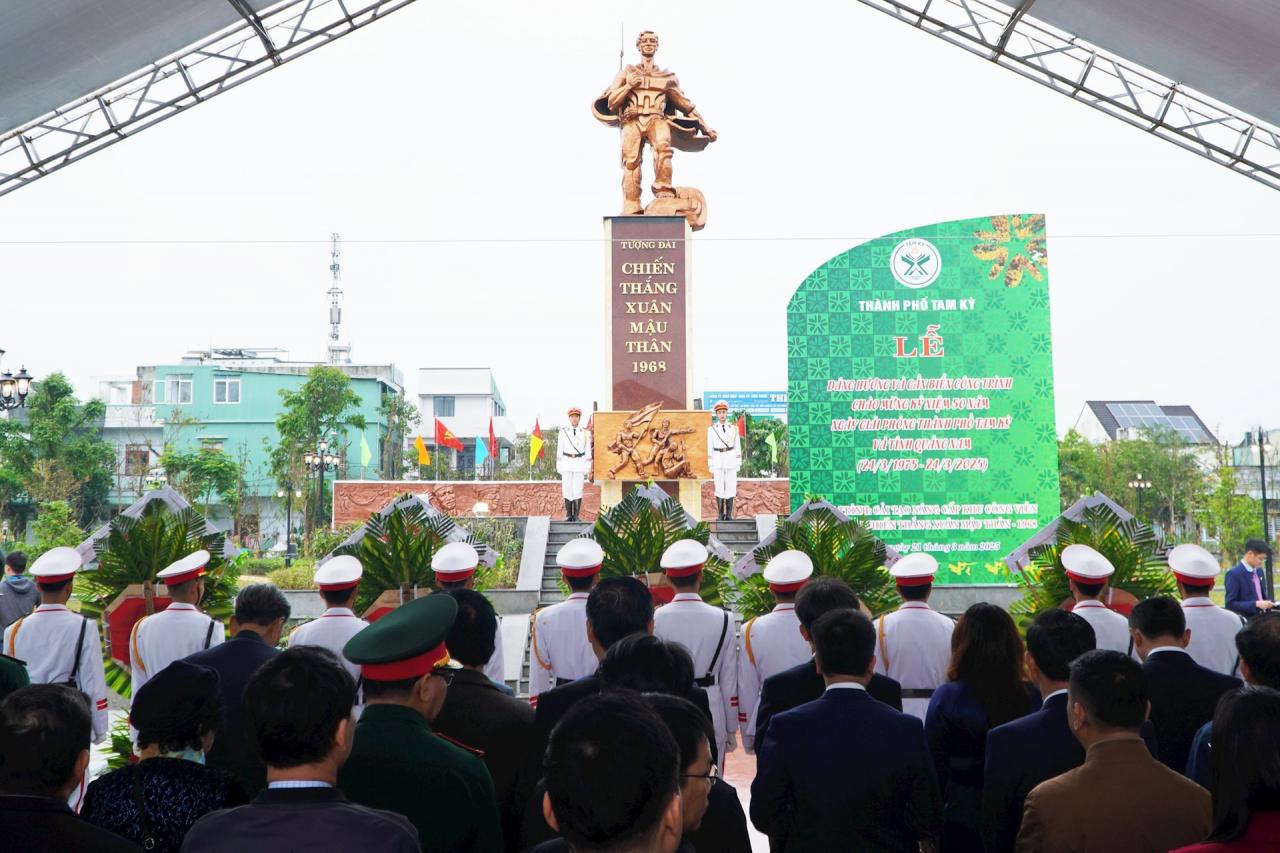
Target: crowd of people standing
{"points": [[1155, 731]]}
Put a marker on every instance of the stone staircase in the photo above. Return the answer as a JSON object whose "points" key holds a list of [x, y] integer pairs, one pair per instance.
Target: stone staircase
{"points": [[738, 535]]}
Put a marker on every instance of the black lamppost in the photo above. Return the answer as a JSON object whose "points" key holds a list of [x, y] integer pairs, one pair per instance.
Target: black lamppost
{"points": [[1263, 446], [14, 388], [320, 461], [288, 495], [1139, 485]]}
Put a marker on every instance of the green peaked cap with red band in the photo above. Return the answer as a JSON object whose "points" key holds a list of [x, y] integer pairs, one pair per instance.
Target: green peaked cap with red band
{"points": [[406, 643]]}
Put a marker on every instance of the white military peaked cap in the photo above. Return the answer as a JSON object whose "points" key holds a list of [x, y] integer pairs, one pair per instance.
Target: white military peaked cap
{"points": [[341, 572], [1085, 564], [683, 557], [915, 569], [56, 565], [188, 568], [788, 571], [1193, 565], [455, 561], [581, 557]]}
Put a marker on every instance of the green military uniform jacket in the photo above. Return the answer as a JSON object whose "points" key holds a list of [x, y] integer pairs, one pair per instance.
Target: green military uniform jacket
{"points": [[397, 763], [13, 674]]}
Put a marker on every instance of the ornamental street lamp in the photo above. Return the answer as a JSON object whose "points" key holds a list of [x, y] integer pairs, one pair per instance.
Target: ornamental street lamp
{"points": [[288, 495], [1139, 485], [320, 461], [14, 388], [1263, 446]]}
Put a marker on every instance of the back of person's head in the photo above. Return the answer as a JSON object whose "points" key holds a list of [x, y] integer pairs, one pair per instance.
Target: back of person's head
{"points": [[1158, 616], [294, 703], [987, 653], [916, 592], [177, 707], [261, 604], [844, 642], [471, 639], [612, 775], [617, 607], [688, 725], [44, 730], [1090, 590], [1056, 638], [822, 595], [16, 560], [1259, 646], [1112, 688], [647, 664], [339, 597], [580, 584], [1244, 763]]}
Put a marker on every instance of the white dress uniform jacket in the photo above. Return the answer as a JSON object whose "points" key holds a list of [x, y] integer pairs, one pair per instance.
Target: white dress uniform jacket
{"points": [[708, 633], [560, 646], [495, 669], [1213, 634], [724, 457], [770, 644], [162, 638], [913, 646], [331, 630], [573, 460], [46, 640], [1110, 628]]}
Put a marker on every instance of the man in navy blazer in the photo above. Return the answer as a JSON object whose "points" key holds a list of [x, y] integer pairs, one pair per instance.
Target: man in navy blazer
{"points": [[1182, 693], [845, 769], [256, 625], [1246, 587]]}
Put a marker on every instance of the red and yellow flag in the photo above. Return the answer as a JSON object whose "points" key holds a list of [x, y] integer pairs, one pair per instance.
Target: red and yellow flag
{"points": [[535, 443], [445, 438]]}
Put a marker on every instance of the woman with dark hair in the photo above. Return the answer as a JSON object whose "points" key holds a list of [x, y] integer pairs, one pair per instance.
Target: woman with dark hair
{"points": [[986, 687], [1245, 773], [154, 802]]}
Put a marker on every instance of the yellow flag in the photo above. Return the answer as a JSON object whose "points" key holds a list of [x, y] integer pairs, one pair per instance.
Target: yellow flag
{"points": [[535, 448], [424, 456]]}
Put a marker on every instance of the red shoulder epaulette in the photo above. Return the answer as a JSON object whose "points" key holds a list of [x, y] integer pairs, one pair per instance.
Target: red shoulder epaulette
{"points": [[479, 753]]}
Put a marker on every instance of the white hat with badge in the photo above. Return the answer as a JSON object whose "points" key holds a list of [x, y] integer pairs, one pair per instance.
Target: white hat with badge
{"points": [[56, 565], [188, 568], [341, 572], [455, 562], [915, 569], [684, 557], [1084, 564], [580, 558], [788, 571], [1193, 565]]}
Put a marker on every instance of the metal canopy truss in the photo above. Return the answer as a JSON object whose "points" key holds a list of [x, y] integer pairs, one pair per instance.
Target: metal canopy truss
{"points": [[258, 43], [1012, 38]]}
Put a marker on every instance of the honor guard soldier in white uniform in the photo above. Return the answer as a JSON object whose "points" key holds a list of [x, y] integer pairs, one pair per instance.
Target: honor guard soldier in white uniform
{"points": [[913, 643], [180, 629], [573, 461], [1213, 628], [455, 568], [561, 651], [724, 457], [61, 647], [772, 642], [1087, 572], [707, 632], [338, 580]]}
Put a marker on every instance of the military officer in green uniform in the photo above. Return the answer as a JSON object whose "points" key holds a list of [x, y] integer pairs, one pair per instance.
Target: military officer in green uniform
{"points": [[13, 674], [397, 762]]}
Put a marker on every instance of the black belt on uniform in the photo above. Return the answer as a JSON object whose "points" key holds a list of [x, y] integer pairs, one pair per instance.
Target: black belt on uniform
{"points": [[576, 455], [917, 692], [705, 681], [561, 682], [722, 449]]}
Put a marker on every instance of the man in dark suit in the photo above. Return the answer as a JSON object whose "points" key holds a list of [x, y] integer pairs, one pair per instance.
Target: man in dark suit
{"points": [[1183, 694], [801, 684], [44, 738], [845, 766], [1246, 587], [477, 713], [260, 612], [297, 708]]}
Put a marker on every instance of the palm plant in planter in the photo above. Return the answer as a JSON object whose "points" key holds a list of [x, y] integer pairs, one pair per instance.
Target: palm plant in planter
{"points": [[397, 548], [1131, 546], [634, 534], [136, 549], [839, 549]]}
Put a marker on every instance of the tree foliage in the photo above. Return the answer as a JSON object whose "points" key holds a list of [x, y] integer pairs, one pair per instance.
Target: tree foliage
{"points": [[401, 419], [636, 532], [518, 467], [757, 458], [839, 549], [397, 548], [57, 453], [55, 527], [200, 475], [1132, 547], [1225, 515]]}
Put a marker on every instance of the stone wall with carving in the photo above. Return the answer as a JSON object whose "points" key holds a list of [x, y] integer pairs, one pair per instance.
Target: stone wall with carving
{"points": [[356, 500]]}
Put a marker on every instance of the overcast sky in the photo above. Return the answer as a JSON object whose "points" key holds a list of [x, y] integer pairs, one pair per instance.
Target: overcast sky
{"points": [[466, 129]]}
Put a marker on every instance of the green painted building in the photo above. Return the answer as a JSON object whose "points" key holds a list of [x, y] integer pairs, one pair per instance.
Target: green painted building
{"points": [[230, 399]]}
